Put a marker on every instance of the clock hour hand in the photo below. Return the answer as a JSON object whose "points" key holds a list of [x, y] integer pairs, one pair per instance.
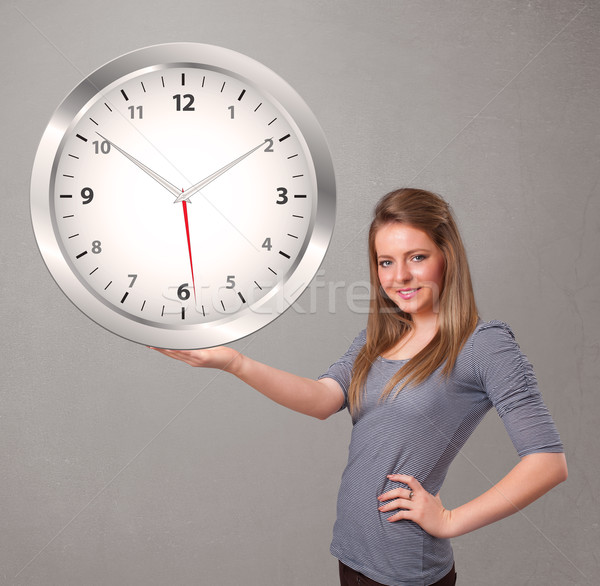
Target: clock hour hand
{"points": [[202, 184], [168, 186]]}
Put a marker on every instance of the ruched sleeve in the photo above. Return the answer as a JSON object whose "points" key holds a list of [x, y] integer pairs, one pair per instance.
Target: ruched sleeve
{"points": [[507, 377]]}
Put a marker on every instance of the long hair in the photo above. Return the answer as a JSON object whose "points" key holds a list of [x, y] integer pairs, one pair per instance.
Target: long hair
{"points": [[387, 323]]}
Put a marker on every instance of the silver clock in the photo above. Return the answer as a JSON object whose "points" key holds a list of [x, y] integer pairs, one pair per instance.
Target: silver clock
{"points": [[183, 196]]}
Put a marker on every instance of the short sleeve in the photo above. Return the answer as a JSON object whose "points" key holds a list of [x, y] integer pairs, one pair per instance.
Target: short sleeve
{"points": [[508, 379], [341, 370]]}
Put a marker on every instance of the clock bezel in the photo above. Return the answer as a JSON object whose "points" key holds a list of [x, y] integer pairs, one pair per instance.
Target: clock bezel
{"points": [[232, 326]]}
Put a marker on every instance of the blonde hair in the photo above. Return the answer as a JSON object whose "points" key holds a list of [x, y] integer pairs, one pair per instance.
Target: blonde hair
{"points": [[387, 323]]}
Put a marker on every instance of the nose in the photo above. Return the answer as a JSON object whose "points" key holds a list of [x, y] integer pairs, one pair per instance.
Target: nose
{"points": [[403, 274]]}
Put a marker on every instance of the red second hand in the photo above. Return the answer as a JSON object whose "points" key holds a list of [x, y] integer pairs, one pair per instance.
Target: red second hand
{"points": [[187, 232]]}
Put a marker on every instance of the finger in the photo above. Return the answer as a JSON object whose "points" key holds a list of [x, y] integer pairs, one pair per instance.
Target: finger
{"points": [[161, 350], [392, 505], [405, 479], [182, 355], [399, 516], [403, 493], [410, 482], [167, 352]]}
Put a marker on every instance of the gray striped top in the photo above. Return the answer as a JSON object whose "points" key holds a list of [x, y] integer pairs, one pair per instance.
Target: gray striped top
{"points": [[419, 433]]}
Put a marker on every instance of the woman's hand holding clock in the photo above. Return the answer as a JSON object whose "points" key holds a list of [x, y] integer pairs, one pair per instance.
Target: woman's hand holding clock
{"points": [[220, 357]]}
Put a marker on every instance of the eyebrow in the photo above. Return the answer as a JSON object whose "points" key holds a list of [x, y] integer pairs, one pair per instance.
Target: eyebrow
{"points": [[407, 253]]}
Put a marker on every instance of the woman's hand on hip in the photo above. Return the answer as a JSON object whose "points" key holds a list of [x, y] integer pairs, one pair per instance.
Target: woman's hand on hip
{"points": [[416, 504]]}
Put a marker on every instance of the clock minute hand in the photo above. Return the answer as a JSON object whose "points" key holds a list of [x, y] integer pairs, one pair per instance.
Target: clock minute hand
{"points": [[201, 184], [168, 186]]}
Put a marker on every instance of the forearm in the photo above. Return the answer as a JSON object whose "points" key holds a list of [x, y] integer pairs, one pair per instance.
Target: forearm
{"points": [[532, 477], [315, 398]]}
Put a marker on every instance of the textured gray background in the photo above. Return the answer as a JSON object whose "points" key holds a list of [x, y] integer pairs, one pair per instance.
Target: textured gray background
{"points": [[121, 467]]}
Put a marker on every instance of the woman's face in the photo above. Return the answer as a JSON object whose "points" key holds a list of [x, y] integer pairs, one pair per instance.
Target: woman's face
{"points": [[410, 268]]}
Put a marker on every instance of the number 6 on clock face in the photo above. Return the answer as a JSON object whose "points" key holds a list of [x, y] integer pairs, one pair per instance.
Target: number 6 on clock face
{"points": [[183, 196]]}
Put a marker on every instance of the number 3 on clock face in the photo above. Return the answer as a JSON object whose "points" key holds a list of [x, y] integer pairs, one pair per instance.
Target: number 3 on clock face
{"points": [[183, 196]]}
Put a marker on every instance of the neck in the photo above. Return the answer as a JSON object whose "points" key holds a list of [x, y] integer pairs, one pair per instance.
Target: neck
{"points": [[424, 324]]}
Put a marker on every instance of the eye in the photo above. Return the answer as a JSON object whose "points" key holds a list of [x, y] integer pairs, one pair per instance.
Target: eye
{"points": [[385, 263], [419, 257]]}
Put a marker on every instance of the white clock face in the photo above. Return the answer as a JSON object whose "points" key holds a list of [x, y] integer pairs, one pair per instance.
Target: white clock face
{"points": [[183, 196]]}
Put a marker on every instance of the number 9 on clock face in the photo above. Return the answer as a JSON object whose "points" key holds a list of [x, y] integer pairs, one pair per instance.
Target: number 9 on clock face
{"points": [[183, 196]]}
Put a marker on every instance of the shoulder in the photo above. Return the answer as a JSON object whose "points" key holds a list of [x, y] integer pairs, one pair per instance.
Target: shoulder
{"points": [[494, 352], [361, 339], [355, 347], [492, 333], [352, 352]]}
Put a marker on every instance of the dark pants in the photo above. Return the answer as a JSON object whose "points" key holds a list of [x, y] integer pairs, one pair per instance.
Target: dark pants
{"points": [[350, 577]]}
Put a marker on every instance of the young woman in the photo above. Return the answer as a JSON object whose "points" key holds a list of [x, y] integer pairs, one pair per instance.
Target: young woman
{"points": [[416, 382]]}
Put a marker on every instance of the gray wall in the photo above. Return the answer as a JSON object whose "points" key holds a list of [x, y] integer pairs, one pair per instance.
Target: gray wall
{"points": [[122, 467]]}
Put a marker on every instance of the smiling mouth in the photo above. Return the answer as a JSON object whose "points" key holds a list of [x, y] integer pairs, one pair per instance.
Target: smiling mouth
{"points": [[408, 293]]}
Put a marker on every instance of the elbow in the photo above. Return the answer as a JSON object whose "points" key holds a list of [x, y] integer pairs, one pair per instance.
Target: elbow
{"points": [[322, 416], [549, 467], [325, 412], [559, 470], [563, 472]]}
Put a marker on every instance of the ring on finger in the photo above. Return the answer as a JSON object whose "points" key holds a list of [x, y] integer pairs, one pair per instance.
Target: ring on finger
{"points": [[410, 495]]}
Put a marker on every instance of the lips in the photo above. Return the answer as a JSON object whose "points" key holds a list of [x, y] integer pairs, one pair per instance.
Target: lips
{"points": [[408, 293]]}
